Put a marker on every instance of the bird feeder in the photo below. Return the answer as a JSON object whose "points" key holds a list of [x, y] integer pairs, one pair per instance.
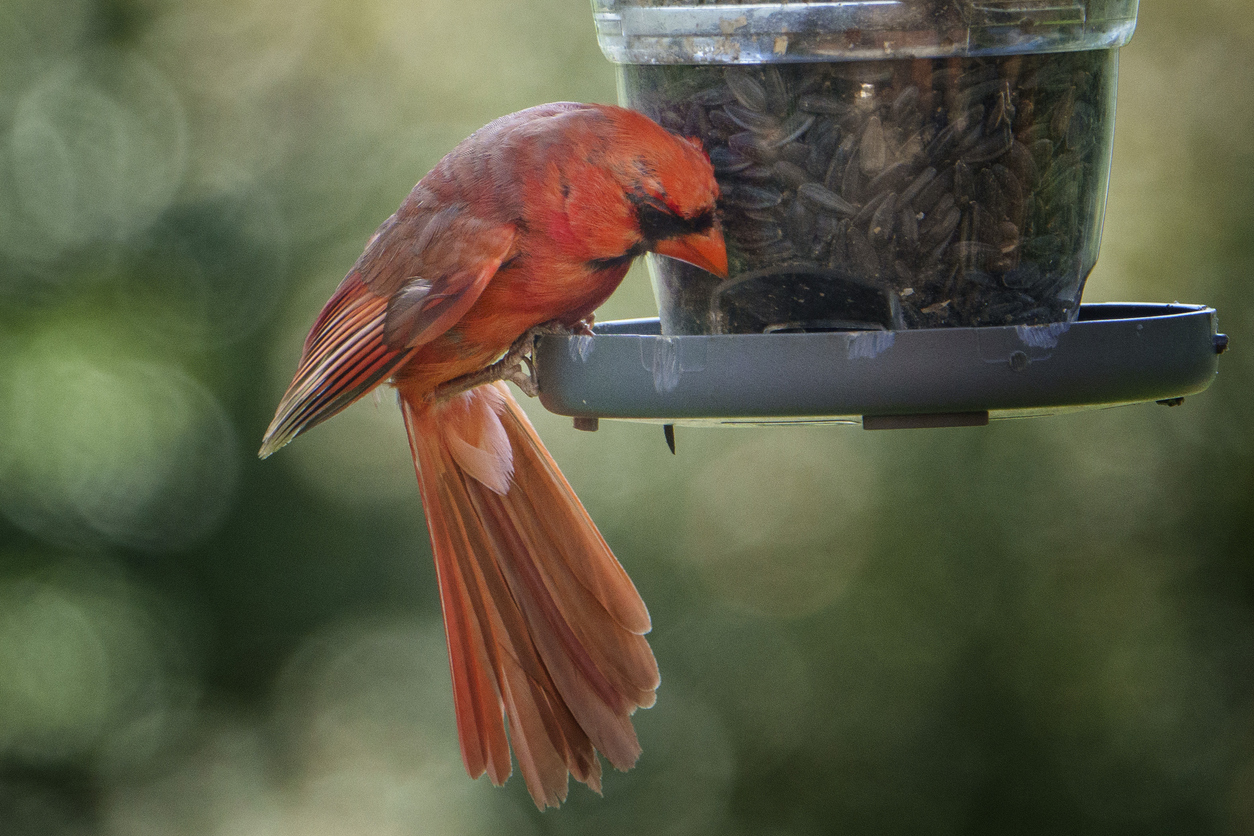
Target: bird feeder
{"points": [[912, 197]]}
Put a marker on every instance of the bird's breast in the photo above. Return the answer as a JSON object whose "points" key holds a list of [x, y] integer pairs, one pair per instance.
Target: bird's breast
{"points": [[525, 294]]}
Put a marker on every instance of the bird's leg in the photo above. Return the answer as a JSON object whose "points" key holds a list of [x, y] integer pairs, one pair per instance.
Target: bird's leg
{"points": [[511, 365]]}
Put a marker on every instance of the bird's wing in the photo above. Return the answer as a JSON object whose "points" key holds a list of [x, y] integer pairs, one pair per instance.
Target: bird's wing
{"points": [[420, 273], [432, 266]]}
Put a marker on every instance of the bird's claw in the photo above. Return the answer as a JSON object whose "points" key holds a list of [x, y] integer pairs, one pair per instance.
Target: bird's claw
{"points": [[524, 379], [517, 365]]}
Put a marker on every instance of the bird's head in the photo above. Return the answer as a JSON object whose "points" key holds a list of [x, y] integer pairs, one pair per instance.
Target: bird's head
{"points": [[664, 194]]}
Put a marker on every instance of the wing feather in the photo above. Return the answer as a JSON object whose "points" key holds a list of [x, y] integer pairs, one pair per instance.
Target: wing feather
{"points": [[450, 272], [363, 334], [344, 358]]}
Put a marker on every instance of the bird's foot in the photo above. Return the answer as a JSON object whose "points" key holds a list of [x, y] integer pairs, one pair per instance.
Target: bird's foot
{"points": [[516, 365]]}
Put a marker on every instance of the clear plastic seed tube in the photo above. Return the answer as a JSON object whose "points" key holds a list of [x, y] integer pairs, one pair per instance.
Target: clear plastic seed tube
{"points": [[958, 178]]}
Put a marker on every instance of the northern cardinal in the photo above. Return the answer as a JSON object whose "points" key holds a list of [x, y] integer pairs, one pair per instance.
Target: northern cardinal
{"points": [[532, 220]]}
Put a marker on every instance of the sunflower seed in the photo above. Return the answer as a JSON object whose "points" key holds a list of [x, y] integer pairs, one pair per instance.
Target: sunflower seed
{"points": [[825, 229], [939, 232], [824, 199], [1060, 120], [757, 173], [883, 222], [997, 113], [727, 161], [964, 183], [1024, 277], [974, 121], [911, 151], [990, 192], [751, 197], [800, 223], [909, 226], [1007, 237], [989, 148], [761, 235], [672, 122], [747, 144], [890, 178], [946, 141], [1021, 163], [791, 128], [761, 216], [869, 208], [872, 150], [839, 247], [721, 121], [822, 151], [793, 175], [1042, 153], [851, 178], [821, 103], [1011, 188], [977, 93], [757, 243], [905, 103], [902, 270], [1025, 114], [763, 124], [917, 184], [836, 169], [1080, 130], [712, 96], [795, 152], [862, 254], [973, 275], [931, 194], [776, 91], [747, 90]]}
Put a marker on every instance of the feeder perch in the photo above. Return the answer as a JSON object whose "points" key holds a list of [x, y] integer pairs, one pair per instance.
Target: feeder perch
{"points": [[931, 377]]}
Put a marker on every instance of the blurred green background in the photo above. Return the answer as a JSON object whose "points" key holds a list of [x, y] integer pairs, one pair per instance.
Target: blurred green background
{"points": [[1043, 626]]}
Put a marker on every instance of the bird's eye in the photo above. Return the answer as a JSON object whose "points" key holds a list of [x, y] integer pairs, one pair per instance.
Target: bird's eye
{"points": [[657, 223]]}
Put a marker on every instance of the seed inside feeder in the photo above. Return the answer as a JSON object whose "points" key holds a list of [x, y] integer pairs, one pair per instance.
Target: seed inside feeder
{"points": [[976, 183]]}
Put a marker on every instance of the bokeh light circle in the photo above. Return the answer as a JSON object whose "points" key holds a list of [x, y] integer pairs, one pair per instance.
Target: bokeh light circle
{"points": [[781, 527], [91, 670], [210, 271], [95, 152], [109, 447]]}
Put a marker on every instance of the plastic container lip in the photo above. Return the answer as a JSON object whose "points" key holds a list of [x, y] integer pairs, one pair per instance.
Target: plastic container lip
{"points": [[729, 33], [1115, 353]]}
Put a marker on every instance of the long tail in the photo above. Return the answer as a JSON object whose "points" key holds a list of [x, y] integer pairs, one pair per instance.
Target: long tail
{"points": [[544, 627]]}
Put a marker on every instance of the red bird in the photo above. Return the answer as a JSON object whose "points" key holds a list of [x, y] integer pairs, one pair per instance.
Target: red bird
{"points": [[532, 220]]}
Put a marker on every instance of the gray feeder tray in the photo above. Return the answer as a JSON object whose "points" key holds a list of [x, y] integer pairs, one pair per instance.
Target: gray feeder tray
{"points": [[935, 377]]}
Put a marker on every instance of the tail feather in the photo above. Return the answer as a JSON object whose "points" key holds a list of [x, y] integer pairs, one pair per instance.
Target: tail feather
{"points": [[544, 627], [621, 663], [603, 713], [569, 526], [475, 693]]}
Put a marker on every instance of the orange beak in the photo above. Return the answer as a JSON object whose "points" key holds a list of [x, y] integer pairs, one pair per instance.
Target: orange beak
{"points": [[705, 250]]}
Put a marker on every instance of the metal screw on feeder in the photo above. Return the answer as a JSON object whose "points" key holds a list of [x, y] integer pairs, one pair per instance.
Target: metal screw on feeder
{"points": [[913, 195]]}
